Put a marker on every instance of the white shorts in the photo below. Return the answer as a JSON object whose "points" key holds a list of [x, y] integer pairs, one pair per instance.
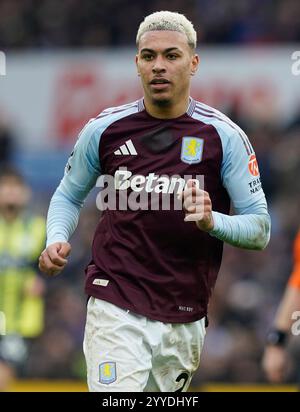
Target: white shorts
{"points": [[126, 352]]}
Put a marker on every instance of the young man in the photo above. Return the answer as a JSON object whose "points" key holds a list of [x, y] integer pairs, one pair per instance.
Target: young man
{"points": [[275, 356], [154, 267]]}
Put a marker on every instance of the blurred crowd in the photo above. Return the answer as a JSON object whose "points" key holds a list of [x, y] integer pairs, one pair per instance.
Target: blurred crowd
{"points": [[250, 284], [73, 23]]}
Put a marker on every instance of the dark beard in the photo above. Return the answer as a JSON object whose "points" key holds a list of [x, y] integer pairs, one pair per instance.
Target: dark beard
{"points": [[161, 103]]}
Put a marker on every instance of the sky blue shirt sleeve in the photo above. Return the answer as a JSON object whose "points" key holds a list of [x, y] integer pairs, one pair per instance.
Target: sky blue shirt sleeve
{"points": [[250, 227], [239, 171], [81, 173], [83, 167]]}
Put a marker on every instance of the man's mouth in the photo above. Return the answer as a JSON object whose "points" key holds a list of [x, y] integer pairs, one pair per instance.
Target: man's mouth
{"points": [[159, 84], [159, 81]]}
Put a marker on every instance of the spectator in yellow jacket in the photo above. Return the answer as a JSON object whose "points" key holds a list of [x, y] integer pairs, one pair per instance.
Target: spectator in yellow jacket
{"points": [[22, 237]]}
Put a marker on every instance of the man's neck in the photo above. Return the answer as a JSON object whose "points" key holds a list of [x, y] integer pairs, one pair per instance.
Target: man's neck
{"points": [[168, 111]]}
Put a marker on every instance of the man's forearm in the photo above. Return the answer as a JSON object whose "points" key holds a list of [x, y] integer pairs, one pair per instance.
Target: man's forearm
{"points": [[63, 216], [249, 231]]}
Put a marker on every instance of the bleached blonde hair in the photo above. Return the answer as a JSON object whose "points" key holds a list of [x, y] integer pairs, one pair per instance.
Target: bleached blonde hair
{"points": [[168, 20]]}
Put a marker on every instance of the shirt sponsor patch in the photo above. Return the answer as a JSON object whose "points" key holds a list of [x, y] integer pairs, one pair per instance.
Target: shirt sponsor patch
{"points": [[107, 372], [100, 282], [254, 186], [253, 166], [191, 149]]}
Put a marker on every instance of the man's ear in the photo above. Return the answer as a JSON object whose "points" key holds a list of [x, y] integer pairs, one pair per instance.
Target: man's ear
{"points": [[195, 64], [136, 63]]}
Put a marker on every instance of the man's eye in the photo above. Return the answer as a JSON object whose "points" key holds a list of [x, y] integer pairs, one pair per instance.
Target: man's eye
{"points": [[147, 57], [172, 56]]}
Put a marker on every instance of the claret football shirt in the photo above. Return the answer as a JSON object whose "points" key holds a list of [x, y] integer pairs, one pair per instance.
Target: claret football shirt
{"points": [[145, 258]]}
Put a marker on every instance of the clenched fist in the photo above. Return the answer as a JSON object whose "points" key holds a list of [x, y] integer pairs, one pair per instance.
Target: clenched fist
{"points": [[197, 206], [53, 258]]}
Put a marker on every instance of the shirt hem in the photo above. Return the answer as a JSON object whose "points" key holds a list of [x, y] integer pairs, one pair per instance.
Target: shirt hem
{"points": [[139, 311]]}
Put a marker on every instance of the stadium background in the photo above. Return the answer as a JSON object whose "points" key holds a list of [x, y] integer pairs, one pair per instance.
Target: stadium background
{"points": [[66, 61]]}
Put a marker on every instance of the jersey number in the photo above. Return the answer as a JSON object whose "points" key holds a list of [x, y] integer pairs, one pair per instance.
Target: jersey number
{"points": [[183, 376]]}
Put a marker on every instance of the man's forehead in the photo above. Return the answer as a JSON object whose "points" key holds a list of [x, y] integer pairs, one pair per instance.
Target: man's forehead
{"points": [[162, 40]]}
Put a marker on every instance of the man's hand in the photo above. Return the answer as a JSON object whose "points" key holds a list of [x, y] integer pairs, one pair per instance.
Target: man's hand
{"points": [[53, 258], [274, 363], [197, 206]]}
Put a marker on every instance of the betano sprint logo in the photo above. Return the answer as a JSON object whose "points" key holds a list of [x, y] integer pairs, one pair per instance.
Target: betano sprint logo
{"points": [[126, 191]]}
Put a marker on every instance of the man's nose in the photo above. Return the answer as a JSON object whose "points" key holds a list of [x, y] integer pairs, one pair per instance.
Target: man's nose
{"points": [[158, 65]]}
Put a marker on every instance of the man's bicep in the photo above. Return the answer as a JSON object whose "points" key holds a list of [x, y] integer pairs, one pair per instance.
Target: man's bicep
{"points": [[83, 167]]}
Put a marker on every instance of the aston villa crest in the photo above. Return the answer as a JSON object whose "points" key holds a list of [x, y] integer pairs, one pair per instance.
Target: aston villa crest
{"points": [[191, 150], [107, 372]]}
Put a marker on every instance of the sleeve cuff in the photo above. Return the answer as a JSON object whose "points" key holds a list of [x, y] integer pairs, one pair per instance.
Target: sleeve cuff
{"points": [[217, 223], [56, 238]]}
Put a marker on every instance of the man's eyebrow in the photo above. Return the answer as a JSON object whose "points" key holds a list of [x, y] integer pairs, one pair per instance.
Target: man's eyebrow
{"points": [[172, 49], [168, 50]]}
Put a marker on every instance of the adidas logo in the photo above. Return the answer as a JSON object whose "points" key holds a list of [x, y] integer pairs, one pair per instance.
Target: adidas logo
{"points": [[126, 149]]}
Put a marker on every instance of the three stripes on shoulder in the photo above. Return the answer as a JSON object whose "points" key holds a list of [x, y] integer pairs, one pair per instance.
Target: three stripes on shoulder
{"points": [[126, 149]]}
